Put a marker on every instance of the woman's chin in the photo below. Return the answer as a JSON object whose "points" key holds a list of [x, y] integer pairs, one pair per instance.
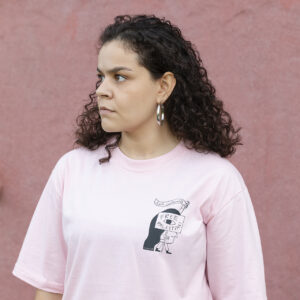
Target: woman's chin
{"points": [[107, 128]]}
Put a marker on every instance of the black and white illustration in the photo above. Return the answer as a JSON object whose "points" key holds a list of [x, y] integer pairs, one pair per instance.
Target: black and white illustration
{"points": [[166, 225]]}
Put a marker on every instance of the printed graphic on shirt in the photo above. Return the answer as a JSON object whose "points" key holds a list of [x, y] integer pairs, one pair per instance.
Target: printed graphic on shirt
{"points": [[166, 225]]}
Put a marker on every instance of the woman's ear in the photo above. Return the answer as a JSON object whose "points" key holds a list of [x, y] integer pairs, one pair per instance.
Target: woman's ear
{"points": [[166, 85]]}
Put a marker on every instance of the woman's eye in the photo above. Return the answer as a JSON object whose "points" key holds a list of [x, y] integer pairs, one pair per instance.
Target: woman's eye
{"points": [[117, 75], [99, 76], [120, 76]]}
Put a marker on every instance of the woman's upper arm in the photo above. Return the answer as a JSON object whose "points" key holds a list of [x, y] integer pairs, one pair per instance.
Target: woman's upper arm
{"points": [[43, 295], [234, 254]]}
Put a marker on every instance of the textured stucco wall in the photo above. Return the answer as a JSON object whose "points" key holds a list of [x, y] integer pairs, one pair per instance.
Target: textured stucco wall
{"points": [[48, 67]]}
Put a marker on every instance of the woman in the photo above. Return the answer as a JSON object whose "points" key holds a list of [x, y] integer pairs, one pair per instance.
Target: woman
{"points": [[148, 207]]}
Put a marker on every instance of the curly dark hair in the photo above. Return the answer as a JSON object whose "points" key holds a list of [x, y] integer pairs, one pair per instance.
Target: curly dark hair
{"points": [[193, 111]]}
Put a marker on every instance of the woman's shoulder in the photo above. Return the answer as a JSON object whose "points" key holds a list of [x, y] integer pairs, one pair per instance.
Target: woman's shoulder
{"points": [[79, 156], [212, 165], [211, 160]]}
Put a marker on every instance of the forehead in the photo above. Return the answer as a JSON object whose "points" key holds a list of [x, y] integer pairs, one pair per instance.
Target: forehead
{"points": [[114, 53]]}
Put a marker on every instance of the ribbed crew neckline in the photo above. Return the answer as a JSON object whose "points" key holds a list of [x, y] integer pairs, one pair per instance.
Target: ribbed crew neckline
{"points": [[142, 165]]}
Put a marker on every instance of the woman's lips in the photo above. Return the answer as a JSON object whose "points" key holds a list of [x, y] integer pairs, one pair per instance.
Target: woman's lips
{"points": [[105, 111]]}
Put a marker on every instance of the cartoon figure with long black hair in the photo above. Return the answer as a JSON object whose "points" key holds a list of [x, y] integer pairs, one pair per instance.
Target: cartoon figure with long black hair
{"points": [[166, 225]]}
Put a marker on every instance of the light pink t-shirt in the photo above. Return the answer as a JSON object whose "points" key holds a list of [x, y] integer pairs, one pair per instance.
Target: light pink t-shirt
{"points": [[177, 226]]}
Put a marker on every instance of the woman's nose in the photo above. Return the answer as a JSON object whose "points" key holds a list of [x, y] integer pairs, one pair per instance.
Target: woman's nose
{"points": [[103, 89]]}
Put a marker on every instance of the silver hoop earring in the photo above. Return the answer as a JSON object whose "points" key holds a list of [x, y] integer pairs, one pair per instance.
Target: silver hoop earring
{"points": [[160, 116]]}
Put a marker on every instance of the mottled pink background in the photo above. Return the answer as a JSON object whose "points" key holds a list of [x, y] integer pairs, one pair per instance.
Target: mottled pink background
{"points": [[48, 66]]}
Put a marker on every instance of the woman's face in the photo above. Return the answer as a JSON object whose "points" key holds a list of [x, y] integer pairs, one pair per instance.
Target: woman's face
{"points": [[130, 93]]}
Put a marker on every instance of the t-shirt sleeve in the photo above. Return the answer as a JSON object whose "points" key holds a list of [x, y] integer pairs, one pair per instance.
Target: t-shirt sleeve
{"points": [[235, 268], [42, 258]]}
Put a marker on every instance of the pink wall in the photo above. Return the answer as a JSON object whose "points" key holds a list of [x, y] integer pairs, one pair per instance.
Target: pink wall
{"points": [[48, 67]]}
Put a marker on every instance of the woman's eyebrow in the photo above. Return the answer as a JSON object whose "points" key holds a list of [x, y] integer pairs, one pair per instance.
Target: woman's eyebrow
{"points": [[115, 69]]}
